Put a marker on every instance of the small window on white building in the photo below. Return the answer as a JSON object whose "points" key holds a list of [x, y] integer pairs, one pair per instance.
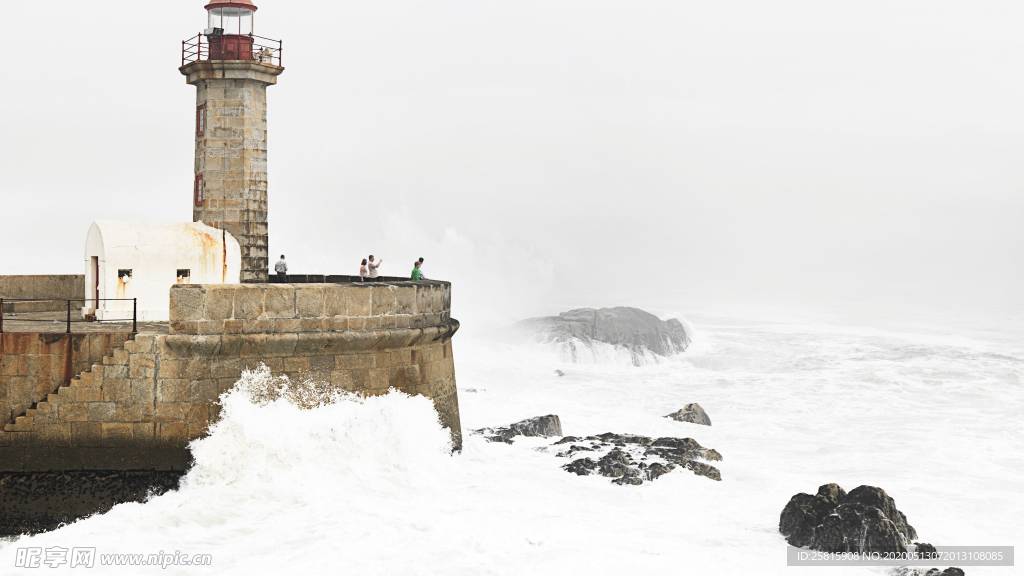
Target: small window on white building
{"points": [[124, 275], [184, 276]]}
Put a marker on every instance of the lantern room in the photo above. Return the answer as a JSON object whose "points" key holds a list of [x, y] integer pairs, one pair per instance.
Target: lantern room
{"points": [[229, 30]]}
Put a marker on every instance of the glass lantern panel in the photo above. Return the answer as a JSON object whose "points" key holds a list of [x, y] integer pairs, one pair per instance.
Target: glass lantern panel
{"points": [[215, 18], [246, 22], [230, 17]]}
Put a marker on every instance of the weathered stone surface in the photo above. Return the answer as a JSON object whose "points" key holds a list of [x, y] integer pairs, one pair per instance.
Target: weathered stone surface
{"points": [[632, 328], [865, 520], [549, 425], [691, 413]]}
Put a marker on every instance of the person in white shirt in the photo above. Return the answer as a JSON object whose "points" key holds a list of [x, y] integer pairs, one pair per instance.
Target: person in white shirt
{"points": [[373, 268], [422, 277], [282, 269]]}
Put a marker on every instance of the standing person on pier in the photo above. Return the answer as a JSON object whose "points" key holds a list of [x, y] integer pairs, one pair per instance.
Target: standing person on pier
{"points": [[373, 268]]}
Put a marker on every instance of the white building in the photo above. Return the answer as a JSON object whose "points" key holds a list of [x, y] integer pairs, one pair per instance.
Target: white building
{"points": [[143, 260]]}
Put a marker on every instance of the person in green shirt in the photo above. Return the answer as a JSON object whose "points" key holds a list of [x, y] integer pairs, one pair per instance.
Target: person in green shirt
{"points": [[416, 270]]}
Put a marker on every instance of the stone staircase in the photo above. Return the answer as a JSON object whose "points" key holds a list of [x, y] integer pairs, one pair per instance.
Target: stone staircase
{"points": [[86, 387]]}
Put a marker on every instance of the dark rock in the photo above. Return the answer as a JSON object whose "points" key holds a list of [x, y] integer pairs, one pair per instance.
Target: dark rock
{"points": [[621, 461], [656, 470], [926, 551], [630, 480], [831, 493], [801, 516], [614, 464], [702, 469], [560, 373], [691, 413], [546, 426], [623, 439], [865, 520], [33, 502], [872, 497], [568, 439], [632, 328], [581, 467]]}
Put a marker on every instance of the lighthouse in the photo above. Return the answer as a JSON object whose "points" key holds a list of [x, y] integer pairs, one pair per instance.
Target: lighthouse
{"points": [[231, 68]]}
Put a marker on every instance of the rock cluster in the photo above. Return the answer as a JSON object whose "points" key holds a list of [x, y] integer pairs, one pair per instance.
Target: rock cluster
{"points": [[631, 328], [865, 520], [546, 426], [691, 413], [905, 571], [632, 459]]}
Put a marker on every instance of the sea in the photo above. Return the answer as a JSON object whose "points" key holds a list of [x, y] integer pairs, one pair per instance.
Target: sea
{"points": [[928, 408]]}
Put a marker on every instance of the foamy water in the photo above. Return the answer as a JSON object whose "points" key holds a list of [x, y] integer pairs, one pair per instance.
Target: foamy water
{"points": [[368, 486]]}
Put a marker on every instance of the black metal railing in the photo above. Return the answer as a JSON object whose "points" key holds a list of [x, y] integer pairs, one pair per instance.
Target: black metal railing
{"points": [[134, 318], [227, 47], [273, 278]]}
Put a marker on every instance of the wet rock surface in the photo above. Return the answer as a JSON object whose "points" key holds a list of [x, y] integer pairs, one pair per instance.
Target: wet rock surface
{"points": [[33, 502], [864, 520], [546, 426], [691, 413], [633, 459], [632, 328]]}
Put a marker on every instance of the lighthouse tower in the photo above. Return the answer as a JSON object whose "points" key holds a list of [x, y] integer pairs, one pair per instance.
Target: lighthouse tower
{"points": [[231, 69]]}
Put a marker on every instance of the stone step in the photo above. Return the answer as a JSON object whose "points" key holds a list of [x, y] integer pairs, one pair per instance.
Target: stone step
{"points": [[21, 424], [31, 412], [120, 356]]}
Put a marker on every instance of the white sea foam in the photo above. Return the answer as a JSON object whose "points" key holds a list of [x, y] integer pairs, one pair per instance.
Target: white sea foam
{"points": [[367, 486]]}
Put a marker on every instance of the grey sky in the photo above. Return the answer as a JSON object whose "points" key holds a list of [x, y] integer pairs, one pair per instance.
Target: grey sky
{"points": [[596, 148]]}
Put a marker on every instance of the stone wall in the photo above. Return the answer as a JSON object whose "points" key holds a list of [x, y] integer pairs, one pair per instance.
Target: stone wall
{"points": [[35, 365], [295, 308], [231, 154], [139, 409], [47, 286]]}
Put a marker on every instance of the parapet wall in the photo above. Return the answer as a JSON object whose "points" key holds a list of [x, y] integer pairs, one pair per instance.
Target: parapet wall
{"points": [[45, 286], [139, 409], [295, 308]]}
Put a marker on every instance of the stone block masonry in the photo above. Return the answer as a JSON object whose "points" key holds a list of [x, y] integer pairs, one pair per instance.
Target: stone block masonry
{"points": [[32, 366], [46, 286], [231, 153], [148, 399]]}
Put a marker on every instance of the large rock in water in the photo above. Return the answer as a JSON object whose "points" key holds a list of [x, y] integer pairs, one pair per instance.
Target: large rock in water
{"points": [[546, 426], [691, 413], [865, 520], [629, 327]]}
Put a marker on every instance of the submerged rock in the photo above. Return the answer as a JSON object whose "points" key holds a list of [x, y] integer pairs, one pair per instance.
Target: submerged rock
{"points": [[632, 328], [865, 520], [691, 413], [621, 460], [546, 426]]}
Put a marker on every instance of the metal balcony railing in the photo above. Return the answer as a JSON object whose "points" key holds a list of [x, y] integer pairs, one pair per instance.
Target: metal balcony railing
{"points": [[134, 318], [231, 47]]}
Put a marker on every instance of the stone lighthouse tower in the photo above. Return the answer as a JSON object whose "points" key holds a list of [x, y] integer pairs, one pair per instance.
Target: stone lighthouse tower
{"points": [[231, 69]]}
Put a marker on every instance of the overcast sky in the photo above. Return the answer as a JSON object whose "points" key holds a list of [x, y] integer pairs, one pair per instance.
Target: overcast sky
{"points": [[598, 151]]}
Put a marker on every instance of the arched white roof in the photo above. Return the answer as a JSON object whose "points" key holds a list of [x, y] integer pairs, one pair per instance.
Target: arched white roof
{"points": [[155, 252]]}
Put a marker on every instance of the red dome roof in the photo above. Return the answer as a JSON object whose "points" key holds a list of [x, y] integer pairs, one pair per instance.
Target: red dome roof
{"points": [[244, 4]]}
